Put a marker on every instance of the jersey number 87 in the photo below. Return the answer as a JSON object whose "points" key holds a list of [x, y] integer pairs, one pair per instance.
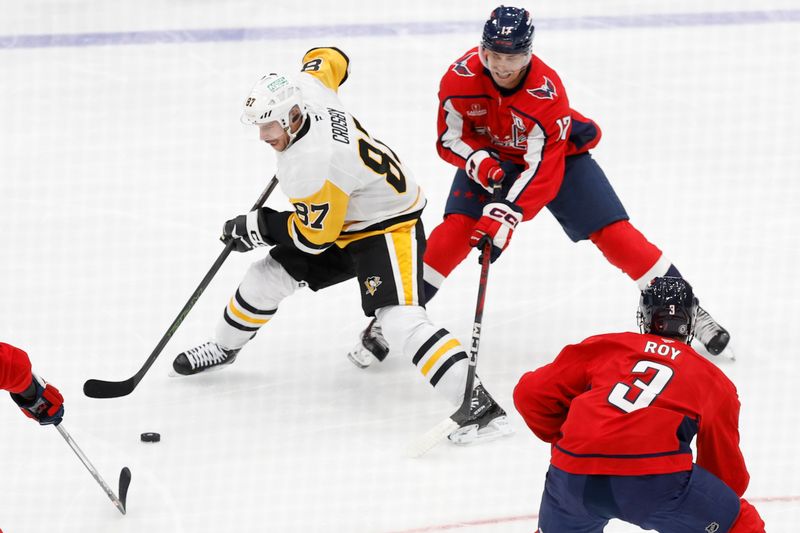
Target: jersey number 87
{"points": [[381, 163]]}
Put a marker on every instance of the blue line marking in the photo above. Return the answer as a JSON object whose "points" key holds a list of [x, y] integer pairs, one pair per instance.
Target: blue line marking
{"points": [[388, 29]]}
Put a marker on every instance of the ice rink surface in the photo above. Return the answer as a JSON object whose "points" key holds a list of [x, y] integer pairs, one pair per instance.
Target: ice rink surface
{"points": [[122, 155]]}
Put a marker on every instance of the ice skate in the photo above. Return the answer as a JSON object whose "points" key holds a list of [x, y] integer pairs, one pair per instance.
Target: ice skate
{"points": [[487, 421], [714, 337], [371, 345], [207, 356]]}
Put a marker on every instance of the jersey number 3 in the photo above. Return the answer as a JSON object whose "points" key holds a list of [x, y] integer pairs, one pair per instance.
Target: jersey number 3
{"points": [[647, 392]]}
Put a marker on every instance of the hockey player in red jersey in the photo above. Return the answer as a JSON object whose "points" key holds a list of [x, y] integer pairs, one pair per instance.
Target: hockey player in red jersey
{"points": [[504, 116], [37, 399], [620, 411]]}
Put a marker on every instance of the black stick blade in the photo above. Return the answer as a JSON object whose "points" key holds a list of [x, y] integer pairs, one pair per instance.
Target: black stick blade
{"points": [[97, 388], [124, 481]]}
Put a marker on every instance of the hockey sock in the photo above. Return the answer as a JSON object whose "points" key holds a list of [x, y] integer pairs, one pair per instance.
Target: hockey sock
{"points": [[240, 322], [437, 354], [432, 281], [663, 267], [748, 521], [627, 249], [255, 302], [448, 245]]}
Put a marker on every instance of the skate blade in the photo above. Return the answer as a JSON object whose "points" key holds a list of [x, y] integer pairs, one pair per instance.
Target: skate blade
{"points": [[173, 374], [728, 353], [469, 435]]}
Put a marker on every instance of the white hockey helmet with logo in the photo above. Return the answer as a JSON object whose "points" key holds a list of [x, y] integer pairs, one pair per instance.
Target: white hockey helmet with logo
{"points": [[272, 99]]}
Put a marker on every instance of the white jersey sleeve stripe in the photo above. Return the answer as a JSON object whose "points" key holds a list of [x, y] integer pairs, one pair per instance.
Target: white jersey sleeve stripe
{"points": [[451, 138], [533, 158]]}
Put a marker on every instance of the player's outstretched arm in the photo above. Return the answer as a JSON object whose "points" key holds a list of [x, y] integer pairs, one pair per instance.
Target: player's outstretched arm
{"points": [[15, 368]]}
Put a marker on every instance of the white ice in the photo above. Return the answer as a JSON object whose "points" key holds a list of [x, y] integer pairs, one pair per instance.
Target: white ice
{"points": [[118, 165]]}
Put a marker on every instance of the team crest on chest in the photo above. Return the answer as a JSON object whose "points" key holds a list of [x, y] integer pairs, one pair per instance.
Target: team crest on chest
{"points": [[460, 66], [372, 283], [546, 92]]}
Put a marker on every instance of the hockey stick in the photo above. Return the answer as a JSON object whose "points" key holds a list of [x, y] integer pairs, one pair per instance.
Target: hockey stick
{"points": [[97, 388], [444, 428], [124, 475]]}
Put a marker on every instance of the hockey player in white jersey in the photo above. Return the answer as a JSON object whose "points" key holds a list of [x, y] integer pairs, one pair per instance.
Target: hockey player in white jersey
{"points": [[357, 215]]}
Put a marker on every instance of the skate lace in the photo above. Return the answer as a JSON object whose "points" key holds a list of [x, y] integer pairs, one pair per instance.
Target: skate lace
{"points": [[705, 327], [207, 354], [479, 403]]}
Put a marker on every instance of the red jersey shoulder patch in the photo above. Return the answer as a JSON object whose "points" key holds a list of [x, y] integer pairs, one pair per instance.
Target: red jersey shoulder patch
{"points": [[461, 68], [547, 91]]}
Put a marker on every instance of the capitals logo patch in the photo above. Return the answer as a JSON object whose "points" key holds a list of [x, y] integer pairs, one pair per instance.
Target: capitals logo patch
{"points": [[546, 92], [460, 66], [372, 283]]}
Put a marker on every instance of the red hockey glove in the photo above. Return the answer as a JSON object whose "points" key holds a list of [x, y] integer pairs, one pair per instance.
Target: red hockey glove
{"points": [[484, 168], [41, 401], [497, 224]]}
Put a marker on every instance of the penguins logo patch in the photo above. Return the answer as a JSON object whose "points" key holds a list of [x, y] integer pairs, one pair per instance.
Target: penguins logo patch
{"points": [[372, 283]]}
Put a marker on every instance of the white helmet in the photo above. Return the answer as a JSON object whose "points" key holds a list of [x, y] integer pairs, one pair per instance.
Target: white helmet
{"points": [[272, 98]]}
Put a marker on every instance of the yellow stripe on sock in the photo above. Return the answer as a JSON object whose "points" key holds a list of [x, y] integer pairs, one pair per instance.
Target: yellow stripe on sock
{"points": [[239, 314], [452, 343]]}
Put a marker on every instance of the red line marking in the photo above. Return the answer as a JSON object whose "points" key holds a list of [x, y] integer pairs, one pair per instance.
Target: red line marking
{"points": [[523, 518]]}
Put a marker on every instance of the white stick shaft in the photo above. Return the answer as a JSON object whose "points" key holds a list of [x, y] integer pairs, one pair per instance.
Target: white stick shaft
{"points": [[90, 467], [432, 437]]}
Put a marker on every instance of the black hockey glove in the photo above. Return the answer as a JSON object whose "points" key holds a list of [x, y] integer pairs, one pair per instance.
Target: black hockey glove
{"points": [[41, 401], [248, 231]]}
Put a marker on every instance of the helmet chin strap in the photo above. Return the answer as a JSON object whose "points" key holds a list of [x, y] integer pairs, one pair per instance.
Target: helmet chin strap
{"points": [[293, 136]]}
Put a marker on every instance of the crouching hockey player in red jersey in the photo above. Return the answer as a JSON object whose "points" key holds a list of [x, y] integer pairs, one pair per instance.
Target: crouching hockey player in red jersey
{"points": [[621, 410], [37, 399], [504, 116], [357, 215]]}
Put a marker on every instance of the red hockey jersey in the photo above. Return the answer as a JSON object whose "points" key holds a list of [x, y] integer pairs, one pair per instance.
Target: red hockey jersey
{"points": [[630, 404], [532, 125], [15, 369]]}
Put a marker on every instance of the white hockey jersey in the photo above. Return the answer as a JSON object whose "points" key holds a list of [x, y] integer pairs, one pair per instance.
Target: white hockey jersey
{"points": [[344, 184]]}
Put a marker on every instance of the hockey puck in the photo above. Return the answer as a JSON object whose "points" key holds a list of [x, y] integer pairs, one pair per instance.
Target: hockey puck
{"points": [[151, 437]]}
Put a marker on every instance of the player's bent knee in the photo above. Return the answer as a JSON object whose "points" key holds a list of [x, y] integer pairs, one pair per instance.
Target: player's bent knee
{"points": [[400, 323], [266, 283]]}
